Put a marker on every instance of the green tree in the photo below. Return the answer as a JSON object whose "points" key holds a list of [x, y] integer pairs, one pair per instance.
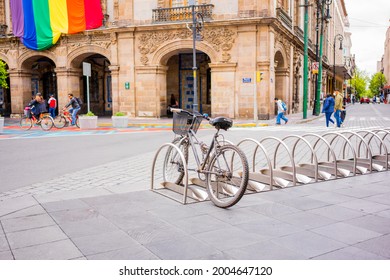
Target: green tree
{"points": [[3, 75], [377, 82], [359, 82]]}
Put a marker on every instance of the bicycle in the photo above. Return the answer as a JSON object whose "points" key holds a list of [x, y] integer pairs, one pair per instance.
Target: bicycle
{"points": [[64, 118], [45, 120], [223, 168]]}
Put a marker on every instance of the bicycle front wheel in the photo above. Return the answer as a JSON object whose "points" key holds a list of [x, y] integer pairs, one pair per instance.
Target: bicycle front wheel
{"points": [[227, 176], [173, 168], [59, 121], [25, 123], [77, 121], [46, 123]]}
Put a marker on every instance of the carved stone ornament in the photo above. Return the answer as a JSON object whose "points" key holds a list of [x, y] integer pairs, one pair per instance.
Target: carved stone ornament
{"points": [[285, 43], [218, 38]]}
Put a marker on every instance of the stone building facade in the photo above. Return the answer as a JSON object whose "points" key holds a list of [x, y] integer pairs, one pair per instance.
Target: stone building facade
{"points": [[142, 56]]}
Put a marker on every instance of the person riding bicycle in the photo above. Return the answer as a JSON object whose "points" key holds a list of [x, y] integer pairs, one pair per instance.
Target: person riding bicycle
{"points": [[36, 106], [75, 107]]}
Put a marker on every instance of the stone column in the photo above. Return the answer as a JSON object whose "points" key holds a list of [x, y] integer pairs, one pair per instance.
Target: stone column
{"points": [[68, 81], [115, 92], [21, 93], [222, 89], [151, 91]]}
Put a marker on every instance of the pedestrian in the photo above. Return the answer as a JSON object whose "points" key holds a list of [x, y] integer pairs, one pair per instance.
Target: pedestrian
{"points": [[52, 106], [281, 110], [353, 99], [75, 107], [343, 114], [338, 107], [328, 109]]}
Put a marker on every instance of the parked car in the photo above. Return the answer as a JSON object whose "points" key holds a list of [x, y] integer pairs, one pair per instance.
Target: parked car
{"points": [[364, 100]]}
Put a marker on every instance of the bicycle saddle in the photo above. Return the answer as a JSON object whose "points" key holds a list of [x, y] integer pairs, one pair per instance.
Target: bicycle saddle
{"points": [[221, 123]]}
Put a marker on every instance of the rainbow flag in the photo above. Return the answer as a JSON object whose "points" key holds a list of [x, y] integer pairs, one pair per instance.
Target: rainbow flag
{"points": [[39, 23]]}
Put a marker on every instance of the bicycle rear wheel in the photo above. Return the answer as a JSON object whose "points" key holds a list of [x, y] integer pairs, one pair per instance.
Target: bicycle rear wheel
{"points": [[25, 123], [77, 121], [60, 121], [173, 169], [227, 176], [46, 123]]}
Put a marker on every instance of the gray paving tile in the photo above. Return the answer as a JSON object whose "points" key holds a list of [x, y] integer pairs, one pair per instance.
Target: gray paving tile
{"points": [[306, 220], [265, 250], [346, 233], [198, 224], [384, 214], [57, 250], [3, 243], [269, 229], [130, 253], [379, 246], [236, 216], [373, 223], [380, 198], [29, 211], [329, 186], [273, 209], [337, 212], [304, 203], [364, 206], [182, 248], [275, 195], [105, 242], [308, 244], [16, 204], [29, 222], [330, 197], [228, 238], [64, 205], [349, 253], [6, 255], [356, 192], [173, 212], [74, 215], [35, 236], [88, 227]]}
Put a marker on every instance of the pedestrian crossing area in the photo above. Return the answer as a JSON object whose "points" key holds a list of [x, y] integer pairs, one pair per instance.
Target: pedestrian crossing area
{"points": [[354, 118]]}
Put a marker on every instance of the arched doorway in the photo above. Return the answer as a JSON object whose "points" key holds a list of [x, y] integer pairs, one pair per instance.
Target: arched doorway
{"points": [[281, 78], [180, 81], [100, 87]]}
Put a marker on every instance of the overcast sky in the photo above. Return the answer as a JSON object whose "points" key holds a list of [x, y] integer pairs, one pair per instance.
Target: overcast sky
{"points": [[369, 20]]}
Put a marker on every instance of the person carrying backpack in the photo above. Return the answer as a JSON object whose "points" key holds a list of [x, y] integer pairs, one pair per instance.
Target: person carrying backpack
{"points": [[282, 108], [75, 107]]}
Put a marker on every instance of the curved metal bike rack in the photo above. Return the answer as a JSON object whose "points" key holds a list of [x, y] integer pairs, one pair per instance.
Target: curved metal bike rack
{"points": [[382, 144], [253, 175]]}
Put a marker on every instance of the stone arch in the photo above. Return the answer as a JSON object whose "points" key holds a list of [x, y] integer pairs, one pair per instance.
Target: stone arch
{"points": [[162, 55], [28, 58], [281, 74], [4, 58], [76, 56]]}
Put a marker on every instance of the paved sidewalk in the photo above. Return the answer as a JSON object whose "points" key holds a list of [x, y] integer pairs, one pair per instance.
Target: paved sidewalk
{"points": [[343, 219]]}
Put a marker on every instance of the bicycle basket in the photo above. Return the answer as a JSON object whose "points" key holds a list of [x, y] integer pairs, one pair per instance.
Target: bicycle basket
{"points": [[183, 122]]}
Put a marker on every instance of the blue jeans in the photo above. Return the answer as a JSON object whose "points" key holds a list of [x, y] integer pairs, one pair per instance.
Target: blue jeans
{"points": [[52, 112], [281, 116], [328, 118], [337, 117], [74, 112]]}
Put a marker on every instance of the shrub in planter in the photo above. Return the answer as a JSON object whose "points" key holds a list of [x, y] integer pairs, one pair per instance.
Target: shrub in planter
{"points": [[88, 121], [120, 120]]}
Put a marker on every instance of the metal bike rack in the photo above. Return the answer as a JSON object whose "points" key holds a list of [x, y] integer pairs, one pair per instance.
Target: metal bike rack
{"points": [[186, 190], [302, 175], [324, 172], [257, 180], [382, 161]]}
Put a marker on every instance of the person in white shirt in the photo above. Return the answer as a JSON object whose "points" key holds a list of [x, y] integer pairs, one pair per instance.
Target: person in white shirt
{"points": [[281, 111], [52, 106]]}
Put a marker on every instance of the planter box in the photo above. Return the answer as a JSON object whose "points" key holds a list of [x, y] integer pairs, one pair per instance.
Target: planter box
{"points": [[1, 124], [88, 122], [120, 121]]}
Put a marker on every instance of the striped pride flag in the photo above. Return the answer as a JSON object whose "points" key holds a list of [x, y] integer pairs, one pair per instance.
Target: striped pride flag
{"points": [[39, 23]]}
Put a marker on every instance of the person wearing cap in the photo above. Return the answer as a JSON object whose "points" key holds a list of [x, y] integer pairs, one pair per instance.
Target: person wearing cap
{"points": [[52, 106]]}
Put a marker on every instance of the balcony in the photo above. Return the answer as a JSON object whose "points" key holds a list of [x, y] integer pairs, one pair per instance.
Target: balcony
{"points": [[284, 17], [181, 14]]}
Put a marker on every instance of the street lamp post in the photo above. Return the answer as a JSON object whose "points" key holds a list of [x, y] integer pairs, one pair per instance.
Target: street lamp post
{"points": [[340, 38]]}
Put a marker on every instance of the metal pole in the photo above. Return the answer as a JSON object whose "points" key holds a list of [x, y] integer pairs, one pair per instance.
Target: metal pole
{"points": [[305, 60], [317, 59], [255, 112], [88, 106], [319, 81], [194, 68], [334, 63]]}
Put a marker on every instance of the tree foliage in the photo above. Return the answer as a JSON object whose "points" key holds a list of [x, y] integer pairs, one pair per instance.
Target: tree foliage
{"points": [[359, 83], [377, 82], [3, 75]]}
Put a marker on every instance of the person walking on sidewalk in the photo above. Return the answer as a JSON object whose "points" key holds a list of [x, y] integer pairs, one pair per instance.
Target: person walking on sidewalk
{"points": [[52, 106], [338, 107], [281, 110], [75, 107], [328, 109]]}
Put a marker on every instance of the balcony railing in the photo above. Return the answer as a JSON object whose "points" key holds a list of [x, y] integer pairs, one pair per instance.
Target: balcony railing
{"points": [[284, 17], [299, 32], [181, 13]]}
